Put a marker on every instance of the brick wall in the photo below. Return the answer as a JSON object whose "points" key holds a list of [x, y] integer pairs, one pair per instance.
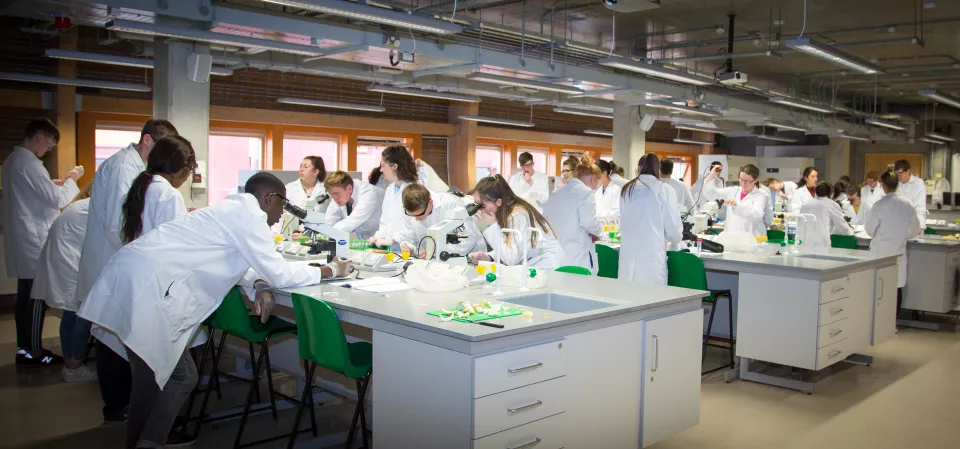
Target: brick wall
{"points": [[434, 152]]}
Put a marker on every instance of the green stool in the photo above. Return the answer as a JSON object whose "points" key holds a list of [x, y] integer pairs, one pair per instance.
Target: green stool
{"points": [[608, 261], [773, 234], [573, 269], [322, 342], [686, 270], [843, 241]]}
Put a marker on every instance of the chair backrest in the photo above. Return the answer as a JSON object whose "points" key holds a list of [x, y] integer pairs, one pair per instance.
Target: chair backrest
{"points": [[929, 231], [843, 241], [232, 316], [773, 234], [608, 262], [685, 270], [320, 337], [574, 270]]}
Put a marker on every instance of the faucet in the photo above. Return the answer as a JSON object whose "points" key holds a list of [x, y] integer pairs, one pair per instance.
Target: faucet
{"points": [[803, 217], [526, 273], [497, 290]]}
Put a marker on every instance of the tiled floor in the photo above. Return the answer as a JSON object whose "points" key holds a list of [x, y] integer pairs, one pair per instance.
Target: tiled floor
{"points": [[906, 399]]}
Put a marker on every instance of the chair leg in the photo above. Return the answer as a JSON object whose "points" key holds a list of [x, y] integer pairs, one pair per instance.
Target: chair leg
{"points": [[706, 337], [361, 402], [207, 347], [250, 346], [313, 412], [254, 387], [303, 400], [212, 383], [216, 366], [356, 415], [273, 397], [733, 341]]}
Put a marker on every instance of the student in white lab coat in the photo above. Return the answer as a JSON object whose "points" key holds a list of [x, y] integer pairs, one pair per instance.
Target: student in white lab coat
{"points": [[871, 191], [530, 185], [859, 217], [617, 177], [422, 209], [310, 184], [608, 193], [153, 198], [829, 219], [572, 210], [568, 171], [56, 284], [805, 191], [940, 187], [356, 205], [184, 269], [891, 222], [840, 196], [501, 208], [912, 189], [31, 203], [649, 219], [746, 204], [684, 199], [400, 171], [712, 177]]}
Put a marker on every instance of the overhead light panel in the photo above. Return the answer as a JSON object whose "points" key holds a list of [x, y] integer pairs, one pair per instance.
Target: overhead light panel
{"points": [[884, 124], [496, 120], [703, 129], [153, 29], [598, 132], [933, 141], [834, 55], [28, 78], [939, 98], [785, 125], [424, 94], [693, 141], [373, 14], [856, 136], [802, 104], [942, 137], [656, 71], [331, 104], [124, 61], [777, 138], [520, 82], [685, 109], [583, 112]]}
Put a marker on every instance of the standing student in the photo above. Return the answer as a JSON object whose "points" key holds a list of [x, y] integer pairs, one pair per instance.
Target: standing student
{"points": [[856, 203], [376, 178], [840, 196], [530, 184], [608, 193], [573, 211], [617, 178], [829, 219], [356, 205], [568, 170], [400, 171], [649, 218], [778, 191], [423, 209], [713, 178], [806, 189], [891, 222], [684, 199], [32, 202], [912, 189], [746, 204], [871, 191]]}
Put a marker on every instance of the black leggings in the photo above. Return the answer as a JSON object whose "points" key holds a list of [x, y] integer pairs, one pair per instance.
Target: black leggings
{"points": [[29, 314], [115, 380]]}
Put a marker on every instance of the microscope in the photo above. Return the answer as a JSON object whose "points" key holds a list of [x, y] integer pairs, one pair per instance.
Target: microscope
{"points": [[323, 237], [447, 231]]}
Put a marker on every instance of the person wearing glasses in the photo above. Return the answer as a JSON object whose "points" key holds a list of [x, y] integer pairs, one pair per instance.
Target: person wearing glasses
{"points": [[529, 184], [746, 204], [424, 209], [912, 189], [32, 202]]}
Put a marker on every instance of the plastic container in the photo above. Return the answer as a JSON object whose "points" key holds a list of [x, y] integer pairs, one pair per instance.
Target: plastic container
{"points": [[791, 229]]}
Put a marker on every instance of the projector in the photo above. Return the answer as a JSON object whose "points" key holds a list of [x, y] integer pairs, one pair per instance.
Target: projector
{"points": [[733, 78]]}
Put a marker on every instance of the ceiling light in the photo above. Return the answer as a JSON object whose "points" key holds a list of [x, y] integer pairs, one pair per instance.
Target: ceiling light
{"points": [[942, 137], [124, 61], [785, 125], [498, 121], [802, 104], [520, 82], [583, 112], [211, 37], [693, 141], [598, 132], [939, 98], [27, 78], [777, 138], [933, 141], [685, 109], [374, 14], [330, 104], [423, 93], [856, 136], [656, 71], [890, 125], [700, 128], [831, 54]]}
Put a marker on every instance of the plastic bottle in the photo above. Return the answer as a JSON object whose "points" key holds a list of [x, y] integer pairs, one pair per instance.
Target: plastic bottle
{"points": [[791, 229], [699, 245]]}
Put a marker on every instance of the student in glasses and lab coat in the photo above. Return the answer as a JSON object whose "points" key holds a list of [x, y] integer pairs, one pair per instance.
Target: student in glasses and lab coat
{"points": [[356, 205], [859, 217], [891, 221], [829, 219], [400, 171], [529, 184], [572, 210], [608, 193], [423, 209], [746, 204], [871, 191], [912, 189], [805, 191]]}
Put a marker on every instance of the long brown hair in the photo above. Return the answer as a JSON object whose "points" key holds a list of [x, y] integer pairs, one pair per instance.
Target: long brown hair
{"points": [[493, 188], [649, 165], [806, 173], [406, 167]]}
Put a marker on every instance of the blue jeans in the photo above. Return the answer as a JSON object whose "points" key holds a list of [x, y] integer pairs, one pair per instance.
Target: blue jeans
{"points": [[74, 335]]}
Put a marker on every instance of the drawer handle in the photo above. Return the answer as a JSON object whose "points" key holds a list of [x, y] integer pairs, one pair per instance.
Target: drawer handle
{"points": [[836, 289], [834, 354], [527, 445], [526, 368], [525, 407], [836, 311], [835, 332]]}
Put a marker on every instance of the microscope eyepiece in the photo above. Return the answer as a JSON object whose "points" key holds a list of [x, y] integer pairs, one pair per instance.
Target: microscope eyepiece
{"points": [[294, 210]]}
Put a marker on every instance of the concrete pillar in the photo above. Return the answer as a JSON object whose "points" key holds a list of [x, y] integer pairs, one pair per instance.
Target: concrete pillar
{"points": [[185, 103], [629, 141], [838, 160], [462, 147], [63, 158]]}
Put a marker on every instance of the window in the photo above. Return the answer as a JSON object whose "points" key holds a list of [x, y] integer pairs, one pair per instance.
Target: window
{"points": [[488, 160], [298, 146], [607, 157], [540, 158], [369, 150], [109, 141], [228, 154]]}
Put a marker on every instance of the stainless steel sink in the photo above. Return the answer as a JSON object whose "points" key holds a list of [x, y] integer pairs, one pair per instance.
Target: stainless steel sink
{"points": [[558, 303], [825, 257]]}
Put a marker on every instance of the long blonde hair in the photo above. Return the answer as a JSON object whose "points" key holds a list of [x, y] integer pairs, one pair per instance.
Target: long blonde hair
{"points": [[84, 194]]}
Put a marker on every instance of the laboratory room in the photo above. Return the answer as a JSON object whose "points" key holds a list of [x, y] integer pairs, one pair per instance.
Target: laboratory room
{"points": [[479, 225]]}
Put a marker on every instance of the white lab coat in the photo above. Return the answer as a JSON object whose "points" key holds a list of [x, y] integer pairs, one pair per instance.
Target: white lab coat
{"points": [[547, 254], [56, 281], [768, 208], [620, 181], [700, 194], [162, 203], [684, 198], [649, 218], [829, 221], [869, 196], [915, 193], [801, 196], [845, 206], [364, 218], [859, 215], [184, 269], [297, 195], [536, 194], [789, 189], [747, 215], [430, 179], [412, 231], [572, 212], [940, 186], [31, 203], [392, 213], [608, 202], [891, 222]]}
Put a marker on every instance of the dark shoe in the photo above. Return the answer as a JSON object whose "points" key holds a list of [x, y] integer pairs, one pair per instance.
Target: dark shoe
{"points": [[47, 359], [180, 439], [115, 417]]}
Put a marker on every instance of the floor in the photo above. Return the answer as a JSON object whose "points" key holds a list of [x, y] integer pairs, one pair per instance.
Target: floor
{"points": [[905, 399]]}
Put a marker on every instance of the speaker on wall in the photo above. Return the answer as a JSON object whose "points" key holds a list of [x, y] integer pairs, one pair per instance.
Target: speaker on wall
{"points": [[198, 67], [646, 122]]}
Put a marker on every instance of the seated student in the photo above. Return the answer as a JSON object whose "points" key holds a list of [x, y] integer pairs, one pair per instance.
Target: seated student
{"points": [[356, 205], [891, 221], [829, 219], [502, 209], [424, 209], [573, 211], [859, 217], [608, 193]]}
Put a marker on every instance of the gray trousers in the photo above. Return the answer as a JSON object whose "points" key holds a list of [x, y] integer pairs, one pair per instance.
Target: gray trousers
{"points": [[152, 410]]}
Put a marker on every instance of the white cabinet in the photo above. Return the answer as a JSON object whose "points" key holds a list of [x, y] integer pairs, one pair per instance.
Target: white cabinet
{"points": [[670, 394], [933, 279], [885, 305]]}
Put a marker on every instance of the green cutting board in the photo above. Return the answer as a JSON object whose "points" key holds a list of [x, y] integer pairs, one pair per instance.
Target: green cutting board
{"points": [[504, 312]]}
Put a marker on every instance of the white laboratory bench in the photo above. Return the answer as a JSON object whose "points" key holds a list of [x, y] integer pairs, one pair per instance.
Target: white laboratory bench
{"points": [[626, 373]]}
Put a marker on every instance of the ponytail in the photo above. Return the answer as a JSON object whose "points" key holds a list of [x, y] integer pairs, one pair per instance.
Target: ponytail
{"points": [[170, 156], [133, 207], [649, 165]]}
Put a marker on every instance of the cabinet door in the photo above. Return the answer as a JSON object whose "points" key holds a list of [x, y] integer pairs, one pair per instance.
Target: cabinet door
{"points": [[885, 305], [671, 376]]}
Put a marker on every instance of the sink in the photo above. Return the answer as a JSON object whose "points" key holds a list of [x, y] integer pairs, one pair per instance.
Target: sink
{"points": [[833, 258], [558, 303]]}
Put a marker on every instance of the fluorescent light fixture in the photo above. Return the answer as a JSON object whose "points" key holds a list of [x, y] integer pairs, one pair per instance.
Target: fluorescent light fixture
{"points": [[834, 55], [583, 112], [856, 136], [330, 104], [685, 109], [28, 78], [785, 125], [693, 141], [520, 82], [777, 138], [213, 38], [889, 125], [124, 61], [700, 128], [939, 98], [368, 13], [942, 137], [496, 120], [933, 141], [423, 93], [802, 104], [656, 71], [598, 132]]}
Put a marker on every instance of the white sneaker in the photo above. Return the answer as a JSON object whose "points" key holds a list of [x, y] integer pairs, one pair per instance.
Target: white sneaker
{"points": [[82, 374]]}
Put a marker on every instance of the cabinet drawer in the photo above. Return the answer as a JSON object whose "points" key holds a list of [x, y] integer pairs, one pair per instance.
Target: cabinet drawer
{"points": [[547, 433], [835, 310], [517, 407], [835, 289], [828, 355], [833, 332], [513, 369]]}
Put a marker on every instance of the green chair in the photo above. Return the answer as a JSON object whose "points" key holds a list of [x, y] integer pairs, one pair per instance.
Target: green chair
{"points": [[929, 231], [686, 270], [843, 241], [608, 261], [321, 342], [573, 269], [773, 234]]}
